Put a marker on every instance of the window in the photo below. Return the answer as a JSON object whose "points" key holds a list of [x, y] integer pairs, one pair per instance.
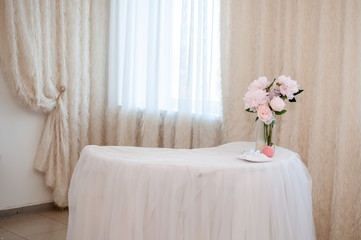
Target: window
{"points": [[165, 55]]}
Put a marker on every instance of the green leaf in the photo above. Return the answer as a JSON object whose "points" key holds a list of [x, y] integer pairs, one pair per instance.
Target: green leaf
{"points": [[256, 119], [249, 110], [283, 97], [280, 113], [292, 100], [299, 91]]}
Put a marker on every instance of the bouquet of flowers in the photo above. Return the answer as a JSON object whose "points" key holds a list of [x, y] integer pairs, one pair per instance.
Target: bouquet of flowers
{"points": [[267, 99]]}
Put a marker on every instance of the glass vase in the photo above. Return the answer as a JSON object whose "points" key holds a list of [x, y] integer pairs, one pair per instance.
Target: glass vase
{"points": [[265, 134]]}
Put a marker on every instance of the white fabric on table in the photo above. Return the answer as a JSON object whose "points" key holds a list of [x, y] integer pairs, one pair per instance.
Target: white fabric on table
{"points": [[207, 193]]}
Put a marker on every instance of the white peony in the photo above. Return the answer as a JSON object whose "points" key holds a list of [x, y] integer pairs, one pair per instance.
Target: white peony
{"points": [[261, 83], [277, 104], [286, 86]]}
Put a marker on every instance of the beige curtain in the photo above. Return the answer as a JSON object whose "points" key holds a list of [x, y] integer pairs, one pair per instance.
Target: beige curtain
{"points": [[317, 43], [47, 45], [161, 129], [53, 54]]}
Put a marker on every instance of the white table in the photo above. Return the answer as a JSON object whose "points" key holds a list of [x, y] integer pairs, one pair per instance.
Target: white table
{"points": [[164, 194]]}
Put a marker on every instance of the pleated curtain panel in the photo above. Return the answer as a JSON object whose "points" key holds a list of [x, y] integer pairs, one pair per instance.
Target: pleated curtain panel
{"points": [[53, 54], [164, 72], [55, 57]]}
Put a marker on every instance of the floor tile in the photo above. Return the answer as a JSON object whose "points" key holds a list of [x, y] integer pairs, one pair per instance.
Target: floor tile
{"points": [[29, 225], [2, 230], [59, 216], [54, 235], [10, 236]]}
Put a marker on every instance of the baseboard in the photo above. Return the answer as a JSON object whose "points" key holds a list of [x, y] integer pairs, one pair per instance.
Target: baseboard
{"points": [[27, 210]]}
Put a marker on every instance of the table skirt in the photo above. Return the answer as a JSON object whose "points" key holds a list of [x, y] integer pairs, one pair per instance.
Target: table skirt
{"points": [[200, 194]]}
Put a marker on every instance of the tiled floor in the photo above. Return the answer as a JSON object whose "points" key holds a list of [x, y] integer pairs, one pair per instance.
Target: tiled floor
{"points": [[50, 225]]}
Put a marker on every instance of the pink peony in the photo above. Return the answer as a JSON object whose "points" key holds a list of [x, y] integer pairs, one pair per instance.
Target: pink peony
{"points": [[261, 83], [287, 87], [254, 98], [277, 104], [272, 93], [265, 114]]}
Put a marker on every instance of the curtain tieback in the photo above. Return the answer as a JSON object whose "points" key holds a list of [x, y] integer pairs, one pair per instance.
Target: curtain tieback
{"points": [[61, 91]]}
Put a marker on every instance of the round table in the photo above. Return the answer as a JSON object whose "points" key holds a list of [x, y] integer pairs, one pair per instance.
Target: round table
{"points": [[199, 194]]}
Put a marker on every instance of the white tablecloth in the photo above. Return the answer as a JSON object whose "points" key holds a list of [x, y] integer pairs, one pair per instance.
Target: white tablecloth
{"points": [[164, 194]]}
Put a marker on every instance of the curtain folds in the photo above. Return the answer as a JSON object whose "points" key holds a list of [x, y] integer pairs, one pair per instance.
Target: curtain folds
{"points": [[49, 44], [317, 43], [164, 72], [164, 55], [53, 54], [161, 129]]}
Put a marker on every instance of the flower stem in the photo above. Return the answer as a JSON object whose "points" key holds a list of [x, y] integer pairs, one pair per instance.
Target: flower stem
{"points": [[270, 135], [265, 132], [269, 87]]}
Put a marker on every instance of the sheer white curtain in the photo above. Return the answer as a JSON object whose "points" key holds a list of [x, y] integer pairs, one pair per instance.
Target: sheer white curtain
{"points": [[164, 73], [165, 55]]}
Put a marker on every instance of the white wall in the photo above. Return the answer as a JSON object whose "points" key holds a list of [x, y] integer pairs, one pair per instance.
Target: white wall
{"points": [[20, 132]]}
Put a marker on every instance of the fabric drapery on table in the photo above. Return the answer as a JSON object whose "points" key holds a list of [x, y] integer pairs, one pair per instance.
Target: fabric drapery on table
{"points": [[206, 193]]}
